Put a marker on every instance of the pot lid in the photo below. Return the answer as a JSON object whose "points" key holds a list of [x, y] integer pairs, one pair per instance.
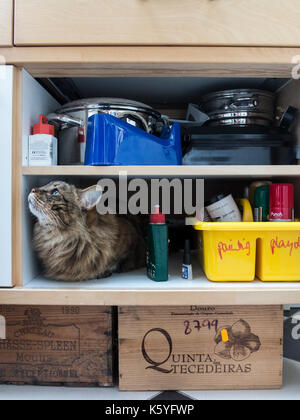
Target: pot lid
{"points": [[235, 92], [108, 103]]}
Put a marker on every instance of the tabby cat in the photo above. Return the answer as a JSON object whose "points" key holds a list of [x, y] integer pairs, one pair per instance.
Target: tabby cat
{"points": [[74, 242]]}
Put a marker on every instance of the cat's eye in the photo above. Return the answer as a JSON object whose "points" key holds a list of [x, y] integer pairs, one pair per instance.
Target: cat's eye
{"points": [[55, 192]]}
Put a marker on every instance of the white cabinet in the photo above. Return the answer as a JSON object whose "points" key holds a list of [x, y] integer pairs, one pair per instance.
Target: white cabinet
{"points": [[6, 127]]}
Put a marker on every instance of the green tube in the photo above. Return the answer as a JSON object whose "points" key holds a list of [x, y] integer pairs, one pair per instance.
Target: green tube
{"points": [[261, 203], [157, 249]]}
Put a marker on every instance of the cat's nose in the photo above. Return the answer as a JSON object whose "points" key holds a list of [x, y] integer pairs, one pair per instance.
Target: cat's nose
{"points": [[33, 190]]}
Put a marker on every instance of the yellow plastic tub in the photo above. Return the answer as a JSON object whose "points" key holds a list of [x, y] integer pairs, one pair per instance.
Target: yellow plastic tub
{"points": [[241, 251], [278, 252]]}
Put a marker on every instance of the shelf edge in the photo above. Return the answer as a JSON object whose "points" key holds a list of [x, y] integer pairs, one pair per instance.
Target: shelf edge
{"points": [[23, 296], [251, 171]]}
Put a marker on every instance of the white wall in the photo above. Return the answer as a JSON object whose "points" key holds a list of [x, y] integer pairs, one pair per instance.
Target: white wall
{"points": [[6, 121], [36, 101]]}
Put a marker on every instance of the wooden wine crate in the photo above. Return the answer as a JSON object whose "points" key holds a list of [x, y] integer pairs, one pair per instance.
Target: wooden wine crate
{"points": [[57, 345], [177, 348]]}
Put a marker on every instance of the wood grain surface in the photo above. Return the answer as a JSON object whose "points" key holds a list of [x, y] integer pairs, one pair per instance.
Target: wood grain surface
{"points": [[57, 345], [156, 22], [173, 348], [6, 23]]}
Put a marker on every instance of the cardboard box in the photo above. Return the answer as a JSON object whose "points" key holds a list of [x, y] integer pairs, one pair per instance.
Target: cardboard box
{"points": [[177, 348], [57, 345]]}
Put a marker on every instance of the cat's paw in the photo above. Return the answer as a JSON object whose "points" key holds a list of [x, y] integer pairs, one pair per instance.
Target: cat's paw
{"points": [[105, 275]]}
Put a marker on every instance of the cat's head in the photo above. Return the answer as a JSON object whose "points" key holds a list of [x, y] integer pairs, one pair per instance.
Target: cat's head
{"points": [[61, 204]]}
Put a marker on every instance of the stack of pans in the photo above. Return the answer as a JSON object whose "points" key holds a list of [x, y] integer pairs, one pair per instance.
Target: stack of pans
{"points": [[239, 107], [241, 129]]}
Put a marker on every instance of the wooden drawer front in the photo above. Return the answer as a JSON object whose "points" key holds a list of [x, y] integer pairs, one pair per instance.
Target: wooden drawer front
{"points": [[157, 22], [6, 23]]}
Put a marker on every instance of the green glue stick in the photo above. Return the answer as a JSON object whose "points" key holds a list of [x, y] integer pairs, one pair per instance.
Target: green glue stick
{"points": [[157, 247]]}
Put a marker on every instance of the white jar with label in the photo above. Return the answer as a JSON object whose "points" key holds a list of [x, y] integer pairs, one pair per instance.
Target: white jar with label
{"points": [[223, 208], [43, 144]]}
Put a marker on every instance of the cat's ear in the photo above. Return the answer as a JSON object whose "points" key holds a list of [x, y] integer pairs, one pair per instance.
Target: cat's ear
{"points": [[90, 197]]}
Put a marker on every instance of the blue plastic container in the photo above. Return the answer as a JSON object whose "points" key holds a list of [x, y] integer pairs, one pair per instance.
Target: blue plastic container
{"points": [[111, 141]]}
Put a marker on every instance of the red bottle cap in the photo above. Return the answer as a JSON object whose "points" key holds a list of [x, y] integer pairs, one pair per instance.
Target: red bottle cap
{"points": [[43, 127], [281, 201], [157, 218]]}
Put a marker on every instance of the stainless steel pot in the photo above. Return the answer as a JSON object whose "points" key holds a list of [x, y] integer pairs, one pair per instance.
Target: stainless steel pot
{"points": [[72, 120], [240, 107]]}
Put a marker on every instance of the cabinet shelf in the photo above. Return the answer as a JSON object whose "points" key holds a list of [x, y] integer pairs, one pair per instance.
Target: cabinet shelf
{"points": [[148, 171], [164, 61], [136, 289]]}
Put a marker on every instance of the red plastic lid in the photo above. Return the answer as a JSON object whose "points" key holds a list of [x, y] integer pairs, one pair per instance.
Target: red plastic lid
{"points": [[157, 218], [282, 195], [43, 127]]}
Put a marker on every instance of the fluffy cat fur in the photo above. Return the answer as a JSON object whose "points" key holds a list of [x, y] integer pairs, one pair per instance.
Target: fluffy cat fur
{"points": [[74, 242]]}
